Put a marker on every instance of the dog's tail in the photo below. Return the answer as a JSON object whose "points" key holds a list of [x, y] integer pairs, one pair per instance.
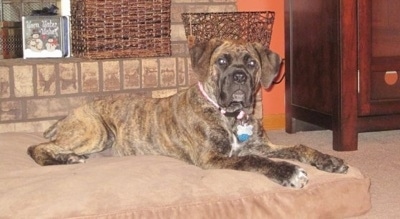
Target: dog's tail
{"points": [[51, 131]]}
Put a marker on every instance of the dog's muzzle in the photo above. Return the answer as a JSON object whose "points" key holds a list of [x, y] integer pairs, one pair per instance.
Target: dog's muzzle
{"points": [[236, 91], [238, 96], [239, 77]]}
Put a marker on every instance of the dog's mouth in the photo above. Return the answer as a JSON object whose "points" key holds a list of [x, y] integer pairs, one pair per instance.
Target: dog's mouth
{"points": [[238, 96], [236, 102], [234, 107]]}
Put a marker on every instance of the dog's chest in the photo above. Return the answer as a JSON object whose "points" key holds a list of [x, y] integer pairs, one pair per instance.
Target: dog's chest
{"points": [[243, 133]]}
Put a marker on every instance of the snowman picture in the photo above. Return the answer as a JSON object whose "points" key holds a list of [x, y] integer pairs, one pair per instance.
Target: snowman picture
{"points": [[51, 44], [34, 42]]}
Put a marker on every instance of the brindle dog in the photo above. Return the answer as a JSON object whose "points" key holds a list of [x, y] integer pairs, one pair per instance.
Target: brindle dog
{"points": [[210, 124]]}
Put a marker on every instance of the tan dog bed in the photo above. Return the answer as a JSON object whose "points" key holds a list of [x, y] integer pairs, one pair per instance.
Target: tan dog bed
{"points": [[162, 187]]}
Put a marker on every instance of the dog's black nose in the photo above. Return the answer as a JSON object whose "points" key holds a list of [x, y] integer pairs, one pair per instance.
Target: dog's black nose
{"points": [[239, 77]]}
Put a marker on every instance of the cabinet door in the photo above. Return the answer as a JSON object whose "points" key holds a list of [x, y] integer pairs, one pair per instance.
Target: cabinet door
{"points": [[379, 57]]}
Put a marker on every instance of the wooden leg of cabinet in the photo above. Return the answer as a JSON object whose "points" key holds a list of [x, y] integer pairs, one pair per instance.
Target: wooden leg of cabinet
{"points": [[345, 139]]}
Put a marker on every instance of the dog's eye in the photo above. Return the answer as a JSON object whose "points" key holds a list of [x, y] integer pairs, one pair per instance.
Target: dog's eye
{"points": [[222, 61], [251, 63]]}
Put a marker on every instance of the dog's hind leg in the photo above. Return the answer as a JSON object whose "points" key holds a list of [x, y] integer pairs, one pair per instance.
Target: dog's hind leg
{"points": [[74, 140], [69, 149], [51, 131]]}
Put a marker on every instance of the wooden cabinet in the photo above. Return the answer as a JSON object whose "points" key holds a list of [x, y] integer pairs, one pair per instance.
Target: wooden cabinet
{"points": [[342, 67]]}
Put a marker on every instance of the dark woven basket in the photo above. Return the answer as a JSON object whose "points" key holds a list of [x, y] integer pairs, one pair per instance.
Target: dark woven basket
{"points": [[247, 26], [10, 40], [120, 28]]}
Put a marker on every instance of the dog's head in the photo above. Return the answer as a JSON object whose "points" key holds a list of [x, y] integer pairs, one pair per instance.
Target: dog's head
{"points": [[232, 71]]}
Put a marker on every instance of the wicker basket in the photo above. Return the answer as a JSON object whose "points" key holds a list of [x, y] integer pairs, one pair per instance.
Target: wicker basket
{"points": [[120, 28], [247, 26], [10, 40]]}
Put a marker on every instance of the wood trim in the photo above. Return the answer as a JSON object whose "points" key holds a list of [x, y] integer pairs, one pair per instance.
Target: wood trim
{"points": [[274, 122], [288, 65], [365, 54], [344, 123]]}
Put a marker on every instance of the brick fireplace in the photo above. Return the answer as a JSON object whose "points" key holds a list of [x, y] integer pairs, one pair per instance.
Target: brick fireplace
{"points": [[36, 92]]}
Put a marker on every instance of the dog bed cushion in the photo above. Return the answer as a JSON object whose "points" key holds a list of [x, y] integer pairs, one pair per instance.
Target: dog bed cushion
{"points": [[162, 187]]}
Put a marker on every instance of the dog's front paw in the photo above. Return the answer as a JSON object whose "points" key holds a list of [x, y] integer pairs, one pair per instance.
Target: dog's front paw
{"points": [[330, 164], [289, 175]]}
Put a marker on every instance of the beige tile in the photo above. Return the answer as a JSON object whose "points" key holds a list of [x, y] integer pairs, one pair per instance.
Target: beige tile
{"points": [[111, 76], [49, 107], [4, 82], [90, 77], [167, 72], [40, 126], [177, 32], [222, 8], [23, 80], [68, 78], [46, 78], [195, 8], [131, 74], [176, 11], [179, 49], [150, 73], [73, 102], [10, 110]]}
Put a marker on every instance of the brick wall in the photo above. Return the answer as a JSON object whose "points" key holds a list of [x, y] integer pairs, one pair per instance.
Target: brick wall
{"points": [[36, 92]]}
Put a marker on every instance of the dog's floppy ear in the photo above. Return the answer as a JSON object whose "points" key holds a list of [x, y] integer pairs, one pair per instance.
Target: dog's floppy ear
{"points": [[200, 55], [270, 64]]}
